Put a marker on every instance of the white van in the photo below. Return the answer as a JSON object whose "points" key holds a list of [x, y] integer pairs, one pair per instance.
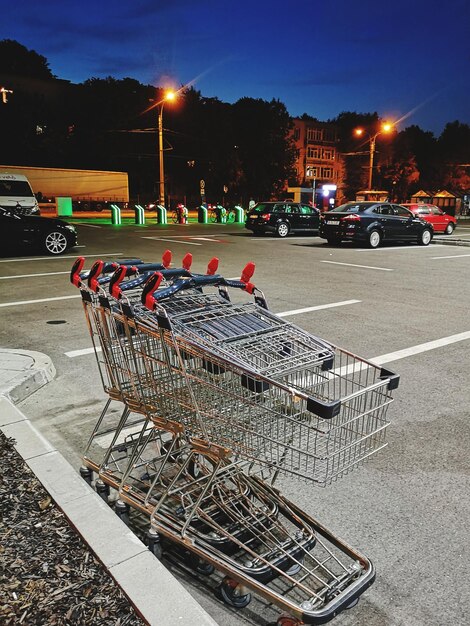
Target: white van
{"points": [[16, 194]]}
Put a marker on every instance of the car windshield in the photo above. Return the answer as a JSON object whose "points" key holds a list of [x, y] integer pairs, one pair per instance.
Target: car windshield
{"points": [[351, 207], [14, 188]]}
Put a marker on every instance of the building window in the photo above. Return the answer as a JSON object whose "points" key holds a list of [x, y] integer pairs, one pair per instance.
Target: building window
{"points": [[312, 172], [314, 134], [328, 155], [313, 153], [296, 134], [327, 172]]}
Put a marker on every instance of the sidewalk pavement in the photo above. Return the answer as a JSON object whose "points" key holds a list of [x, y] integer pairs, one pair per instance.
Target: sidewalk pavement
{"points": [[153, 591]]}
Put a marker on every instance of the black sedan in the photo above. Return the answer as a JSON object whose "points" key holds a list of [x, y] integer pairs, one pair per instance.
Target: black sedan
{"points": [[48, 235], [373, 223], [282, 218]]}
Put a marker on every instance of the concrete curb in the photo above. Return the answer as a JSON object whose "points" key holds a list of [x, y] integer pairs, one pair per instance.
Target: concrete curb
{"points": [[153, 591], [22, 372], [451, 242]]}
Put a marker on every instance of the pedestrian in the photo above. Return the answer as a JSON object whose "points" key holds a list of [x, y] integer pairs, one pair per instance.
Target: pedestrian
{"points": [[251, 204]]}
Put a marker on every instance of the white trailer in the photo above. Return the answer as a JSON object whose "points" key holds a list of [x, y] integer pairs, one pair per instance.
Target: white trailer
{"points": [[88, 189]]}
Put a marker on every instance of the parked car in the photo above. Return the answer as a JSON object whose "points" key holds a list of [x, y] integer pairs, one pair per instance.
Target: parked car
{"points": [[51, 236], [373, 223], [441, 222], [282, 218]]}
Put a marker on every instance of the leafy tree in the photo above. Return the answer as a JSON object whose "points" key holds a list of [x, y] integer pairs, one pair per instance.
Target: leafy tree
{"points": [[266, 151], [16, 60]]}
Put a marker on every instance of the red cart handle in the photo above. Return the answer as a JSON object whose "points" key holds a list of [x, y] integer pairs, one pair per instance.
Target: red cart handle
{"points": [[94, 274], [166, 258], [212, 266], [150, 287], [75, 271]]}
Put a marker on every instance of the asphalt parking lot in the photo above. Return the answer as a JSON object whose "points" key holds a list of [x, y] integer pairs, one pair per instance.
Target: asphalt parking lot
{"points": [[403, 306]]}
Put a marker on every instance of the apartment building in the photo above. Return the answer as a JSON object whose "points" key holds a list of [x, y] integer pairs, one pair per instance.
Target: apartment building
{"points": [[318, 162]]}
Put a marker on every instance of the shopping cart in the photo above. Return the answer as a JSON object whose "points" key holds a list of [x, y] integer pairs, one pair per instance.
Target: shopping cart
{"points": [[218, 398]]}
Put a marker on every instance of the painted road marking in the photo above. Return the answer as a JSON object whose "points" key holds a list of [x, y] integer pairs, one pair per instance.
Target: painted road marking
{"points": [[400, 248], [368, 267], [422, 347], [21, 302], [189, 243], [33, 275], [73, 353], [453, 256], [59, 258], [317, 308]]}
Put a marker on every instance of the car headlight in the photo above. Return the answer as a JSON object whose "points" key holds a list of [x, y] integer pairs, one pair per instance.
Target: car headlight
{"points": [[72, 228]]}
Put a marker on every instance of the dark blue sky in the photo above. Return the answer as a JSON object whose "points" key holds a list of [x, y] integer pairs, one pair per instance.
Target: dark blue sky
{"points": [[396, 58]]}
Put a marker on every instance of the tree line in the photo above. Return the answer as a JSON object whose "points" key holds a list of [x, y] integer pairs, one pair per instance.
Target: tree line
{"points": [[245, 148]]}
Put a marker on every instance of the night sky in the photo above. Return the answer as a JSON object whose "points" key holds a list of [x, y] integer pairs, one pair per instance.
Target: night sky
{"points": [[408, 60]]}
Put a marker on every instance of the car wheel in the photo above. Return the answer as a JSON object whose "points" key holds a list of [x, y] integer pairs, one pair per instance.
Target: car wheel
{"points": [[374, 239], [282, 229], [425, 237], [333, 241], [449, 228], [55, 242]]}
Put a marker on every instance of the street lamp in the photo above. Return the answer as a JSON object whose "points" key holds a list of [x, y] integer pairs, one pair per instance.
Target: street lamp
{"points": [[168, 97], [386, 128]]}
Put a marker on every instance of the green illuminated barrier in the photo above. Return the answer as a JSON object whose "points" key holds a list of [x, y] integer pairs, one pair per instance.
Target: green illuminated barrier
{"points": [[64, 207], [202, 215], [115, 215], [239, 214], [221, 214], [161, 214], [139, 214]]}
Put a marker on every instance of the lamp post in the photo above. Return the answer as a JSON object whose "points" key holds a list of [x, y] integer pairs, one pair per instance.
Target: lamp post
{"points": [[169, 96], [386, 128]]}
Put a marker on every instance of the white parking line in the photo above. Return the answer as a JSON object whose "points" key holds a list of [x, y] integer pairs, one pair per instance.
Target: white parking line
{"points": [[399, 248], [189, 243], [21, 302], [73, 353], [317, 308], [368, 267], [58, 258], [33, 275], [453, 256], [422, 347]]}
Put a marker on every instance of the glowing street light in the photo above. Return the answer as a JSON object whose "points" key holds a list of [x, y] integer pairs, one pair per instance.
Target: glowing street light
{"points": [[386, 128], [168, 97]]}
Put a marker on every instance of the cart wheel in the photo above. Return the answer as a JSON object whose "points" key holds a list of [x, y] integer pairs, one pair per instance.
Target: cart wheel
{"points": [[196, 465], [102, 489], [229, 593], [294, 568], [154, 544], [351, 604], [200, 566]]}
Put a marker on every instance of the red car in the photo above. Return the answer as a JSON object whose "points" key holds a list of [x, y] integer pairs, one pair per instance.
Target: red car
{"points": [[441, 222]]}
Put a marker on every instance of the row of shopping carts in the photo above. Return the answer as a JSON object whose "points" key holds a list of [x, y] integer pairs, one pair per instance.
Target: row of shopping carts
{"points": [[219, 397]]}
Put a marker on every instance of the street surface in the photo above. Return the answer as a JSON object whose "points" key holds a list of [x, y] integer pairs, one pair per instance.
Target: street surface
{"points": [[404, 306]]}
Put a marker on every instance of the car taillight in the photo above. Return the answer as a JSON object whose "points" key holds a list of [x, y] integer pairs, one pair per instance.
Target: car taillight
{"points": [[351, 218], [265, 217]]}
